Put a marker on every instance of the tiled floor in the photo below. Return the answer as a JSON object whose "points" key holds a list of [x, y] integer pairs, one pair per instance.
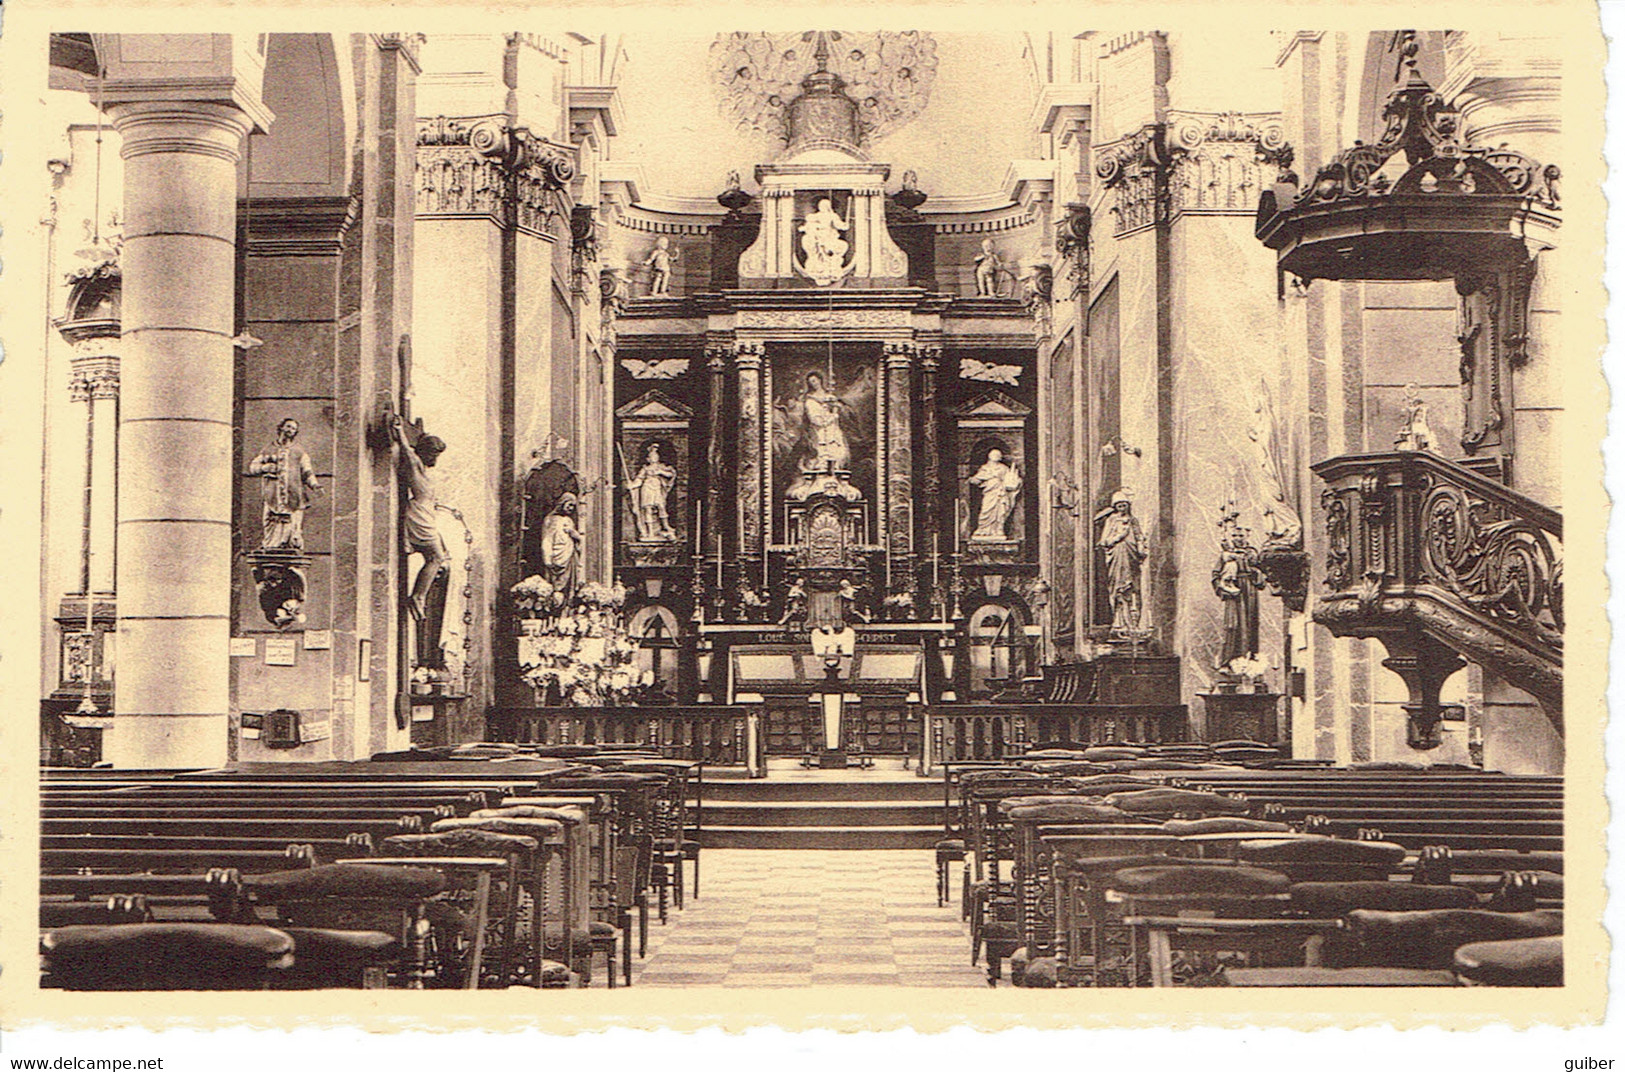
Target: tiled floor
{"points": [[772, 918]]}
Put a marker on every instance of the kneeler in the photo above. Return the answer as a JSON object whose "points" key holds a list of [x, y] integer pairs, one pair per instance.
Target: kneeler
{"points": [[519, 852], [587, 936], [549, 834], [164, 956], [353, 897], [1512, 962], [1165, 908]]}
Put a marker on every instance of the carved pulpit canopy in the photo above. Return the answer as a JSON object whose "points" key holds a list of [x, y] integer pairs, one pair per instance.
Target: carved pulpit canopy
{"points": [[1418, 204]]}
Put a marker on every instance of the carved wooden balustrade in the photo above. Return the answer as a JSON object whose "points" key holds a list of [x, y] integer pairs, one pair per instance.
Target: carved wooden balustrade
{"points": [[1439, 562], [721, 736], [955, 732]]}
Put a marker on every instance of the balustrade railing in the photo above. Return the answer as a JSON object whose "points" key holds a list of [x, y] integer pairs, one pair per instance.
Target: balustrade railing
{"points": [[720, 736], [958, 732], [1416, 542]]}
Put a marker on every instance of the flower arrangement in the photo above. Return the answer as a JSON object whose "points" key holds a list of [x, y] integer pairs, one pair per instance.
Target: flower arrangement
{"points": [[581, 652], [427, 679], [535, 597], [1245, 670]]}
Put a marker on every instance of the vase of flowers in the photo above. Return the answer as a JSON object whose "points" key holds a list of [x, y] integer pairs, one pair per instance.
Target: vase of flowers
{"points": [[577, 653]]}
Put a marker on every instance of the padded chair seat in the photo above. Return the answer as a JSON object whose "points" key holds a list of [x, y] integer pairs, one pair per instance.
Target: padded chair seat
{"points": [[461, 842], [84, 913], [1106, 753], [1159, 763], [603, 779], [570, 815], [1171, 801], [540, 829], [599, 929], [1220, 824], [554, 974], [316, 945], [1043, 973], [1428, 939], [1329, 900], [947, 845], [1336, 977], [1039, 798], [1492, 860], [1514, 962], [1103, 867], [1070, 812], [1110, 783], [348, 880], [999, 931], [1322, 850], [168, 955], [1186, 881]]}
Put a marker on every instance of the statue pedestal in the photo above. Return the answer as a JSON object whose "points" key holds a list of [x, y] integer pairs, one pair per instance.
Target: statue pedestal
{"points": [[1233, 716]]}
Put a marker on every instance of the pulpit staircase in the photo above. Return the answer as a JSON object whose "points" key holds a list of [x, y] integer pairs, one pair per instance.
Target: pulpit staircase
{"points": [[1442, 563]]}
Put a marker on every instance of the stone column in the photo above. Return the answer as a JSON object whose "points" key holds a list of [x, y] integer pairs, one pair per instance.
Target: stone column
{"points": [[931, 475], [900, 463], [748, 365], [716, 360], [101, 387], [175, 431]]}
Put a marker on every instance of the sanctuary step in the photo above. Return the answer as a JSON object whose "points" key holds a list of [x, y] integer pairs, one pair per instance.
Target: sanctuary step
{"points": [[796, 809]]}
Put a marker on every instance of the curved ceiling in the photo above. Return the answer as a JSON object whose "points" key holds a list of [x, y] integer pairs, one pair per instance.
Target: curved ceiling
{"points": [[960, 145]]}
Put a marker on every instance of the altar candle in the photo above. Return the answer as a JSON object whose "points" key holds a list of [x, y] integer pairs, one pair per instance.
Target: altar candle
{"points": [[699, 527], [935, 559], [719, 563]]}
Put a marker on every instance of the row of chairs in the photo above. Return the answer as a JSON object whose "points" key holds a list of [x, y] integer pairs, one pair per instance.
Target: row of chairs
{"points": [[1129, 865], [538, 863]]}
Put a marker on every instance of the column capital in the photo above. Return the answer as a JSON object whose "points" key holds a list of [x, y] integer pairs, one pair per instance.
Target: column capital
{"points": [[900, 354], [183, 126], [748, 356]]}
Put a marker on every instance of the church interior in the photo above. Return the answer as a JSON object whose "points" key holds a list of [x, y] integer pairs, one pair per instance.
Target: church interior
{"points": [[1025, 509]]}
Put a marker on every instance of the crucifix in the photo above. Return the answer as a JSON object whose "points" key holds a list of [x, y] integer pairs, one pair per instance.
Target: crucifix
{"points": [[417, 532]]}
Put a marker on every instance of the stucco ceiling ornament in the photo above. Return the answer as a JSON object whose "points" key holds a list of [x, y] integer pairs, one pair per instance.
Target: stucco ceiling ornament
{"points": [[888, 74]]}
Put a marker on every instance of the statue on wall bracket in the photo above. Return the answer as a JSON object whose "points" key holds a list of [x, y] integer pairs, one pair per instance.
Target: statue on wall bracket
{"points": [[1236, 580], [1124, 544], [288, 486]]}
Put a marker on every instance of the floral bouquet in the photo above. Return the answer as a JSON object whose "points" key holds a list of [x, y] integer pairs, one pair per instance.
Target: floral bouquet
{"points": [[535, 597], [580, 653]]}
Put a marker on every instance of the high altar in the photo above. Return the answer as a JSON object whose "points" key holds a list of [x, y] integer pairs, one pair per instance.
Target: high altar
{"points": [[815, 437]]}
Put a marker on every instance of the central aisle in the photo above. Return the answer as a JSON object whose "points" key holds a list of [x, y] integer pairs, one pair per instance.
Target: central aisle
{"points": [[789, 918]]}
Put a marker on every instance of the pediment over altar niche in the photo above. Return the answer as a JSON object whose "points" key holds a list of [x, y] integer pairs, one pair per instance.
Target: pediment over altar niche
{"points": [[994, 404], [654, 406]]}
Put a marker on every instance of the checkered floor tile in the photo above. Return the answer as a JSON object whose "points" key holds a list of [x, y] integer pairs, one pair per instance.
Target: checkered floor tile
{"points": [[773, 918]]}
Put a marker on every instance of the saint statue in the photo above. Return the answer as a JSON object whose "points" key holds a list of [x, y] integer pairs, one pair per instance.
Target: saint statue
{"points": [[561, 544], [1124, 544], [1236, 580], [659, 264], [649, 491], [1414, 434], [822, 408], [289, 484], [1000, 484], [422, 531], [987, 271], [822, 247]]}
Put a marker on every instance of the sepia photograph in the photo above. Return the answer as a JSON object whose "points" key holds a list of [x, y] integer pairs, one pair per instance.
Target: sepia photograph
{"points": [[693, 510]]}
